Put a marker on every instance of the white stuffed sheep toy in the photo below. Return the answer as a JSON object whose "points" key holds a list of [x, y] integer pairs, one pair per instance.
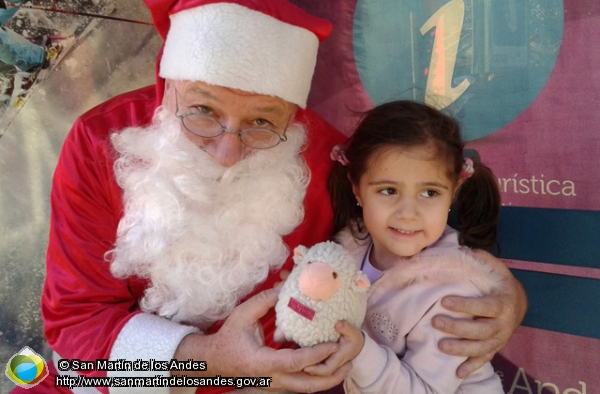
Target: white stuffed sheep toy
{"points": [[324, 287]]}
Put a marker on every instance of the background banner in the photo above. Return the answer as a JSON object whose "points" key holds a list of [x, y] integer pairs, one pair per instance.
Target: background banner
{"points": [[522, 77]]}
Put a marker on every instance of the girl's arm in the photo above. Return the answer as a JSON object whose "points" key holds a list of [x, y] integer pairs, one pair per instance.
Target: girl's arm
{"points": [[410, 361], [497, 317], [422, 369]]}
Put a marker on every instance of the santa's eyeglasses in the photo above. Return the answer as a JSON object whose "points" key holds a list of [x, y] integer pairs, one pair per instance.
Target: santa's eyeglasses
{"points": [[205, 126]]}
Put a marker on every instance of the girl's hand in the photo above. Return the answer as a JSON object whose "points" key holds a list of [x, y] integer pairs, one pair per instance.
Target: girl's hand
{"points": [[350, 344]]}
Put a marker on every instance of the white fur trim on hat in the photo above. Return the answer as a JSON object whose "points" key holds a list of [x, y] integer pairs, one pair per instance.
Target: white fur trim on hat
{"points": [[233, 46]]}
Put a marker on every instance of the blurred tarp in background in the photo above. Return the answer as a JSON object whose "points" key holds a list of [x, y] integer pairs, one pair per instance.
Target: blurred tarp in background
{"points": [[100, 58], [32, 39]]}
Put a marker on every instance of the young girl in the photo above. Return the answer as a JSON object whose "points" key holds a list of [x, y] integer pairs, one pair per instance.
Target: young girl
{"points": [[392, 190]]}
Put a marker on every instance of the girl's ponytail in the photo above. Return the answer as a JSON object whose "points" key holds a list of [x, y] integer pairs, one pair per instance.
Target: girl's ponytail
{"points": [[477, 208], [346, 210], [342, 198]]}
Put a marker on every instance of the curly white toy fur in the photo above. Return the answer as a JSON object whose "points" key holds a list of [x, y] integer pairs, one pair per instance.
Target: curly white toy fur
{"points": [[324, 287]]}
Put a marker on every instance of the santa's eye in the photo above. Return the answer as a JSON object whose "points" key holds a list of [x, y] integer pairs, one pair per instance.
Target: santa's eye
{"points": [[201, 110], [335, 275], [262, 123]]}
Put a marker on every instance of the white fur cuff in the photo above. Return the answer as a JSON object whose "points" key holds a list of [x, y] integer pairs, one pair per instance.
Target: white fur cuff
{"points": [[147, 337]]}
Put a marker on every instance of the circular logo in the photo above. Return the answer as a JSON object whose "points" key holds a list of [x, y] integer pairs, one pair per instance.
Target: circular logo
{"points": [[482, 61], [26, 368]]}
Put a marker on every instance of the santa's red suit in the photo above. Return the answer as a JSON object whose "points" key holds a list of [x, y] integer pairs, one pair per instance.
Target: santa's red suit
{"points": [[84, 306], [88, 313]]}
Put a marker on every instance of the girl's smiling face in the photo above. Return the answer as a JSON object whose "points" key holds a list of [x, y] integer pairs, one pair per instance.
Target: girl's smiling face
{"points": [[405, 195]]}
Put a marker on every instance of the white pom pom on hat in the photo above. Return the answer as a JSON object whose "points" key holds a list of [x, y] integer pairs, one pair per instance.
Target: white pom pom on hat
{"points": [[261, 46]]}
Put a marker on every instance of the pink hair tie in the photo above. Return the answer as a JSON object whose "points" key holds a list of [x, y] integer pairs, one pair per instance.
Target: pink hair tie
{"points": [[467, 169], [338, 153]]}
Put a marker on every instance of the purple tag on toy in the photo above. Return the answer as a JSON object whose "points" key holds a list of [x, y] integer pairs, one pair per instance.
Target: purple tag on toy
{"points": [[301, 309]]}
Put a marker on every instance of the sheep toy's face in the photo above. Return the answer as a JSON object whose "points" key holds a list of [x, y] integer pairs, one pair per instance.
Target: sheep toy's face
{"points": [[324, 287], [318, 280]]}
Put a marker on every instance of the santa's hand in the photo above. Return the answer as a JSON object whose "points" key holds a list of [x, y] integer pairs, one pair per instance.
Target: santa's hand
{"points": [[279, 336], [496, 319], [238, 349], [283, 276], [351, 343]]}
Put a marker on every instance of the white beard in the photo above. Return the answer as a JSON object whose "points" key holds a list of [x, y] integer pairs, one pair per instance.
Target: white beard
{"points": [[203, 235]]}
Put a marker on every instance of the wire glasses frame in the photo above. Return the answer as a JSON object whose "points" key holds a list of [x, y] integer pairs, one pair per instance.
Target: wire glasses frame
{"points": [[254, 137]]}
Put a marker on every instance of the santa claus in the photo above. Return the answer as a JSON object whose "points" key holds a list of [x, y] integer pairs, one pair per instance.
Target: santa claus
{"points": [[173, 204]]}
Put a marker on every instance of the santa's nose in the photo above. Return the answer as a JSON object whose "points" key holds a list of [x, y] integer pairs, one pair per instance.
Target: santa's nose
{"points": [[319, 281], [227, 149]]}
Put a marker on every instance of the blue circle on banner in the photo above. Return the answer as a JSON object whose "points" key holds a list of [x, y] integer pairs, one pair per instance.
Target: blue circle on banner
{"points": [[482, 61]]}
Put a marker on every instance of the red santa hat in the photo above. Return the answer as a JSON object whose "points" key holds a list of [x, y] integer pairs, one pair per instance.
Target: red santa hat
{"points": [[261, 46]]}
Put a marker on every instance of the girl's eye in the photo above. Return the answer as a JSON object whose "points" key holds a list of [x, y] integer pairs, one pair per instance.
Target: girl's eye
{"points": [[388, 191], [429, 193]]}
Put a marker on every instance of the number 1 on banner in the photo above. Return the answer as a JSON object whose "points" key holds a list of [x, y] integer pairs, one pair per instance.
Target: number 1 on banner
{"points": [[448, 21]]}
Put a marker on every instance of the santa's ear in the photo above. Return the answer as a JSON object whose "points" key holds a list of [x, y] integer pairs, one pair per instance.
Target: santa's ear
{"points": [[299, 252], [361, 282]]}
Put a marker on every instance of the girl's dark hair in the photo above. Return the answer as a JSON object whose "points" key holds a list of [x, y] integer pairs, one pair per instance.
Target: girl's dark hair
{"points": [[411, 124]]}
